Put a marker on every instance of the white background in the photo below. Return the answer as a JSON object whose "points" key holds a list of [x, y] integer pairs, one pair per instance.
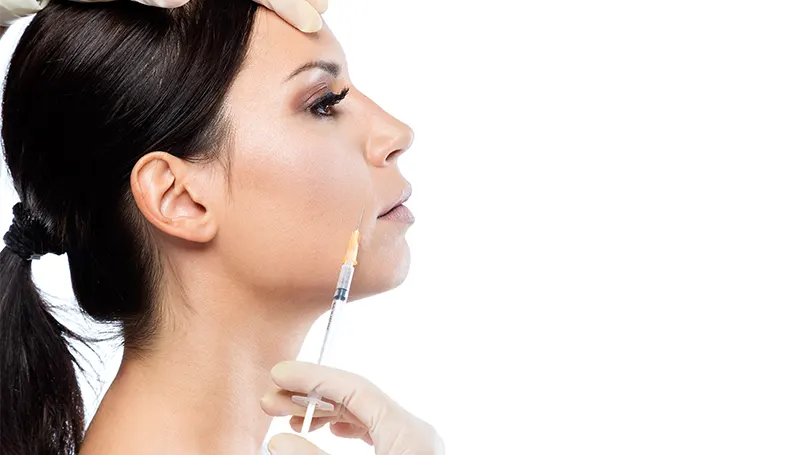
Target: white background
{"points": [[612, 246]]}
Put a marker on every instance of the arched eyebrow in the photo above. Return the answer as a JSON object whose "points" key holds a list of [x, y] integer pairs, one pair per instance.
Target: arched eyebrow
{"points": [[330, 67]]}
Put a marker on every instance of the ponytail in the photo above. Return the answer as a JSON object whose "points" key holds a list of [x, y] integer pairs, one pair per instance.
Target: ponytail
{"points": [[72, 129], [41, 409]]}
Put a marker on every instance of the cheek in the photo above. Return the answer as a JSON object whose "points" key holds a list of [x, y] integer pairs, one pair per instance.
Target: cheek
{"points": [[303, 163], [292, 208]]}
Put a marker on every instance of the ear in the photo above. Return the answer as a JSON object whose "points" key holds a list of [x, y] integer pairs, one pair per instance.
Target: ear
{"points": [[162, 185]]}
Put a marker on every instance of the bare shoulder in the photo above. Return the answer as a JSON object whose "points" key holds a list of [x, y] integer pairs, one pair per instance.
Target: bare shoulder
{"points": [[107, 444], [122, 433]]}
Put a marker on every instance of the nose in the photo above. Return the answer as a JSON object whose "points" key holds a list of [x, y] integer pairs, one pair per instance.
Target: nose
{"points": [[388, 139]]}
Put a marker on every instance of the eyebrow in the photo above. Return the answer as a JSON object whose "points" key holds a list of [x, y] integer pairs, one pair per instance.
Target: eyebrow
{"points": [[330, 67]]}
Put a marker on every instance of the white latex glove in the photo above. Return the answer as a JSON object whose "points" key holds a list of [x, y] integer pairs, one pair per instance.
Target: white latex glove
{"points": [[302, 14], [361, 411]]}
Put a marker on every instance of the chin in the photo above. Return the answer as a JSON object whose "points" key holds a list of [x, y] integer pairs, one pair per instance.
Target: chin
{"points": [[375, 277]]}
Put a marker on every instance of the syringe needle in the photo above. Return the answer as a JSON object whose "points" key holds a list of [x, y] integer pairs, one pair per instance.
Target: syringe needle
{"points": [[360, 221]]}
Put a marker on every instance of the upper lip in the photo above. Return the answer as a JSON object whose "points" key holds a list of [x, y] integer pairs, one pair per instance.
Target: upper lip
{"points": [[406, 192]]}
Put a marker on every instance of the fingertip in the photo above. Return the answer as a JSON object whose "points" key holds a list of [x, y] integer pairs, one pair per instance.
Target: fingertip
{"points": [[291, 370], [278, 444], [288, 444], [320, 5], [298, 13], [296, 423], [313, 24], [266, 403], [281, 369]]}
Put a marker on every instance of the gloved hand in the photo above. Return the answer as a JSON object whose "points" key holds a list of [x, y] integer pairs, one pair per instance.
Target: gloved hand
{"points": [[362, 411], [302, 14]]}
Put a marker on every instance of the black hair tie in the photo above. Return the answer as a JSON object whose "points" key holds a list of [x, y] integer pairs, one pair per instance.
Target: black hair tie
{"points": [[28, 238]]}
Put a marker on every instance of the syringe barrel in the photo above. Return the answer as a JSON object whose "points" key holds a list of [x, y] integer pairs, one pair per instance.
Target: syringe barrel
{"points": [[344, 281]]}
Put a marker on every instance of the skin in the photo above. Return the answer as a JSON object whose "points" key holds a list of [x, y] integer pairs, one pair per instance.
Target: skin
{"points": [[252, 249]]}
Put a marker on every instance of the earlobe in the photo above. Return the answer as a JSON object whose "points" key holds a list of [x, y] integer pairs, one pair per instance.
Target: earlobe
{"points": [[163, 191]]}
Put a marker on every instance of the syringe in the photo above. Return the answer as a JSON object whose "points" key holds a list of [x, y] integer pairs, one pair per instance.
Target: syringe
{"points": [[314, 401]]}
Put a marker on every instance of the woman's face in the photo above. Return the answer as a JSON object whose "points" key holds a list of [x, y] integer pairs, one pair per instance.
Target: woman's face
{"points": [[300, 173]]}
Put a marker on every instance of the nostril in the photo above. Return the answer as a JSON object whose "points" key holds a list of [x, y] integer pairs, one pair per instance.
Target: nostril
{"points": [[394, 155]]}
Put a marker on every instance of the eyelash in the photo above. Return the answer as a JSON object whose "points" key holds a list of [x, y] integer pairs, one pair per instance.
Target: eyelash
{"points": [[322, 107]]}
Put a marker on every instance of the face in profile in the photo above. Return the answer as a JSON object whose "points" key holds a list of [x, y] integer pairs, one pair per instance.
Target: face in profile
{"points": [[308, 153]]}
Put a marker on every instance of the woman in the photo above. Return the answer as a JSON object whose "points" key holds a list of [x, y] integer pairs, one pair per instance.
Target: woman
{"points": [[201, 167]]}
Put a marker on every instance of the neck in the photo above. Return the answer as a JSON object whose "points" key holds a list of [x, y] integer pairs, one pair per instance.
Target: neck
{"points": [[200, 383]]}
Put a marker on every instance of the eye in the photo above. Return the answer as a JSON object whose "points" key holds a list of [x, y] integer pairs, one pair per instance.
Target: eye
{"points": [[323, 106]]}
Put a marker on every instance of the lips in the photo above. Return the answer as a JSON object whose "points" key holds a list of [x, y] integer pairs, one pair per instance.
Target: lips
{"points": [[395, 206]]}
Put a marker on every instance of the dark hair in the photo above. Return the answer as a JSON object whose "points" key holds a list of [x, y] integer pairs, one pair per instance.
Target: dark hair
{"points": [[90, 89]]}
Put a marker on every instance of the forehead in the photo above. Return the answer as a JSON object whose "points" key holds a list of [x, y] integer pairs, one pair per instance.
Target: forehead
{"points": [[277, 48]]}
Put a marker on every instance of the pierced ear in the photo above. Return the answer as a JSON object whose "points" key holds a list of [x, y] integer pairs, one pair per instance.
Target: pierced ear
{"points": [[162, 188]]}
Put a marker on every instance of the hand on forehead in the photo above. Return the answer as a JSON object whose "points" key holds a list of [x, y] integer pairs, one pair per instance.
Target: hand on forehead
{"points": [[302, 14]]}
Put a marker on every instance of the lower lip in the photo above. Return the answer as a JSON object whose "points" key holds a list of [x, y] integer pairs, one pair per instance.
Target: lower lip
{"points": [[400, 214]]}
